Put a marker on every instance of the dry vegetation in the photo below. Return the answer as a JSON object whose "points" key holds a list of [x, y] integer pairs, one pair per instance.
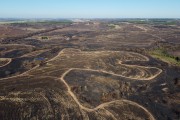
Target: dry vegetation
{"points": [[97, 70]]}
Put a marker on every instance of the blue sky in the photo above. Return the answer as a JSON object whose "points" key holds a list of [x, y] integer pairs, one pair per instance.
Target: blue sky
{"points": [[90, 8]]}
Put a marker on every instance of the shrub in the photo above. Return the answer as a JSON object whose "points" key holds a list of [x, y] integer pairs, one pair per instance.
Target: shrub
{"points": [[44, 38]]}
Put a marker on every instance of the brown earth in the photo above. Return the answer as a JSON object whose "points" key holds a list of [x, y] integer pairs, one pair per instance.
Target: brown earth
{"points": [[86, 71]]}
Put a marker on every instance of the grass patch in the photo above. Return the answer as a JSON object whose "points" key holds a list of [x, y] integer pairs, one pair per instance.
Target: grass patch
{"points": [[46, 22], [139, 22], [45, 38], [11, 22], [155, 21], [164, 56], [56, 22]]}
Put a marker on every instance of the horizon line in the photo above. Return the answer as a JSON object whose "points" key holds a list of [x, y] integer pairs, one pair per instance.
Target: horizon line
{"points": [[90, 18]]}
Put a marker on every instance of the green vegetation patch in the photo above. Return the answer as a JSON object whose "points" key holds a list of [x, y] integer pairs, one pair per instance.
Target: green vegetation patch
{"points": [[61, 22], [164, 56], [43, 22], [44, 38], [155, 21], [139, 22]]}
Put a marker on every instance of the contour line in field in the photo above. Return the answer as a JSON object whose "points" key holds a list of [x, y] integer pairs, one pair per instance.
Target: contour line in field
{"points": [[103, 105], [9, 61], [120, 62]]}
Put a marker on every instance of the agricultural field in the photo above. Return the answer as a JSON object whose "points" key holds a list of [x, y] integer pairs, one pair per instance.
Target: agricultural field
{"points": [[90, 70]]}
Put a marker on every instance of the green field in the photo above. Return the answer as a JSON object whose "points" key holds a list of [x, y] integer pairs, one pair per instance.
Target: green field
{"points": [[164, 56], [31, 22], [11, 22]]}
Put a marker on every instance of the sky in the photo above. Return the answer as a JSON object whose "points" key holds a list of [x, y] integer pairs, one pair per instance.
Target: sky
{"points": [[90, 9]]}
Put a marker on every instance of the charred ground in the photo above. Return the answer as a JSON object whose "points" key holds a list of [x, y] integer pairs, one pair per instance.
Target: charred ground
{"points": [[97, 69]]}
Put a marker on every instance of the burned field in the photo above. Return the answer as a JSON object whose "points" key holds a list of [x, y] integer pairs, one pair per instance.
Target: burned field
{"points": [[90, 70]]}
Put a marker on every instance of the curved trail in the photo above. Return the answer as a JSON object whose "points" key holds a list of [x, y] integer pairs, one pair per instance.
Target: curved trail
{"points": [[137, 66], [103, 105], [26, 73], [106, 72], [34, 53], [118, 63], [146, 30], [56, 56], [9, 61], [141, 27], [109, 113], [23, 74]]}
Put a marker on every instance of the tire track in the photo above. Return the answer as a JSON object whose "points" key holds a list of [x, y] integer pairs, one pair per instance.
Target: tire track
{"points": [[9, 61], [103, 105]]}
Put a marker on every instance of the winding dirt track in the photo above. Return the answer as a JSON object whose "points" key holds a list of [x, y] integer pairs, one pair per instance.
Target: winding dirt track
{"points": [[9, 61], [146, 30], [136, 66], [23, 74], [103, 105], [143, 69]]}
